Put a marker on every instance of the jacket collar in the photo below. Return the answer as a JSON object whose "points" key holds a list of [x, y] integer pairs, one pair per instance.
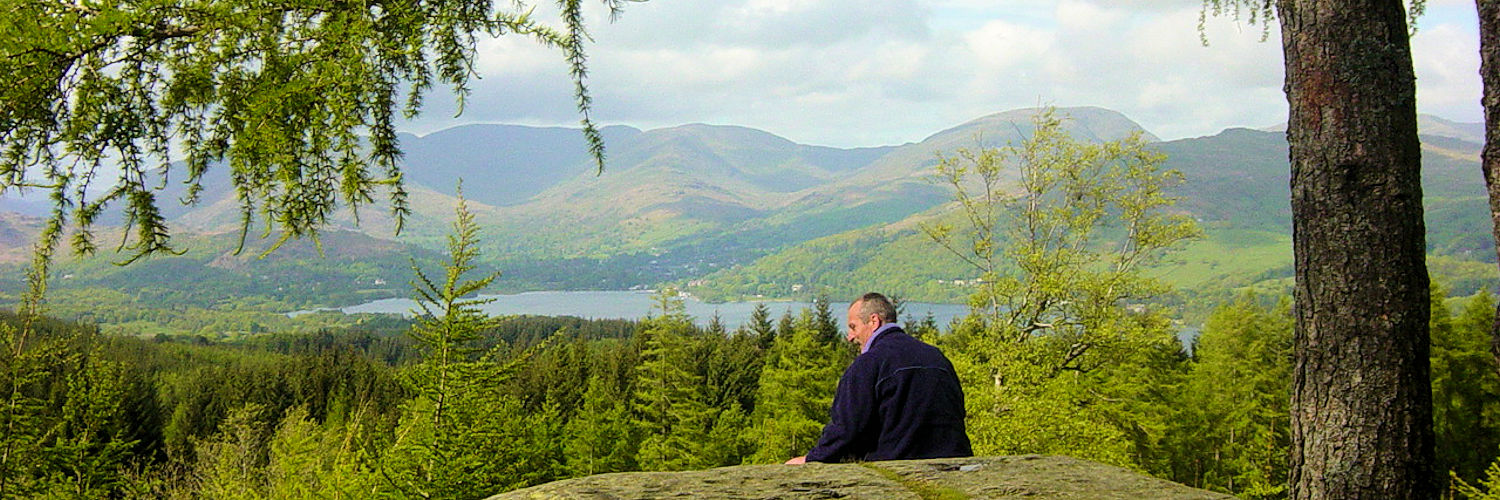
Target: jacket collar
{"points": [[884, 330]]}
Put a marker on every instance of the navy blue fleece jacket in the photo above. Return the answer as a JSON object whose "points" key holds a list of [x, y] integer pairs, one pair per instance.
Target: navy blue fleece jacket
{"points": [[899, 400]]}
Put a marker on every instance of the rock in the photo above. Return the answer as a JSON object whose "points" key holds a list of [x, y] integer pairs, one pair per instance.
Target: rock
{"points": [[1025, 476]]}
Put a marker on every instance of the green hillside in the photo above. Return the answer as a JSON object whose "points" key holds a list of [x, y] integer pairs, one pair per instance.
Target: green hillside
{"points": [[739, 212], [1236, 185]]}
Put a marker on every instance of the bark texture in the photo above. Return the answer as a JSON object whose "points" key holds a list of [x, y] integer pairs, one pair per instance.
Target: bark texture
{"points": [[1361, 397], [1489, 72]]}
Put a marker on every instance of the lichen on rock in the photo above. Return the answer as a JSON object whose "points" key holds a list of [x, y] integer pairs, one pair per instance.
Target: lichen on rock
{"points": [[1029, 476]]}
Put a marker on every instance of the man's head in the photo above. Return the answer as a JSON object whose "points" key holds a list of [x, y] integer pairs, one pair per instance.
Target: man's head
{"points": [[867, 314]]}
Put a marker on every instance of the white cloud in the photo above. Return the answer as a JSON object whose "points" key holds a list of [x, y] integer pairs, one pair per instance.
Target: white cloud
{"points": [[860, 73], [1446, 58], [1006, 46]]}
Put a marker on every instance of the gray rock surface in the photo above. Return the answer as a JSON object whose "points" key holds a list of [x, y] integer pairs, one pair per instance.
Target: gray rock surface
{"points": [[1025, 476]]}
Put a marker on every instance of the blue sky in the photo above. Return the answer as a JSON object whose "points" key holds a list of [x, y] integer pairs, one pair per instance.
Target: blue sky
{"points": [[859, 73]]}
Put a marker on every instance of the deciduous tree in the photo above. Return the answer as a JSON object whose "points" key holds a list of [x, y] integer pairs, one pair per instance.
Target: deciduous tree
{"points": [[1060, 255], [298, 99]]}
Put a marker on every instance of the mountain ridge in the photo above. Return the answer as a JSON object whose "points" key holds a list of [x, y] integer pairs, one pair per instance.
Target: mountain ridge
{"points": [[680, 204]]}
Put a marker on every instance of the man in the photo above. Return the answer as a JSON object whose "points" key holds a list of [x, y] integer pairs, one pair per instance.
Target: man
{"points": [[900, 399]]}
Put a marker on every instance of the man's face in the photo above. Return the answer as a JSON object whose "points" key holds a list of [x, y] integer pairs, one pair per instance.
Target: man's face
{"points": [[860, 329]]}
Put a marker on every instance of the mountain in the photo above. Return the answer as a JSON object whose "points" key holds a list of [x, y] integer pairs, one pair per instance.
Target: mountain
{"points": [[1436, 126], [343, 267], [17, 233], [1236, 183], [742, 211], [503, 164], [670, 187], [914, 162], [1430, 125]]}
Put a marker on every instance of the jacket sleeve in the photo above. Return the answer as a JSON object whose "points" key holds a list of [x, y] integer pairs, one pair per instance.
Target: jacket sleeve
{"points": [[846, 436]]}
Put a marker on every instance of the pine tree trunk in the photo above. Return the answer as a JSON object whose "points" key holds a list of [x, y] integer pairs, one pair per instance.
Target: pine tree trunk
{"points": [[1489, 71], [1361, 401]]}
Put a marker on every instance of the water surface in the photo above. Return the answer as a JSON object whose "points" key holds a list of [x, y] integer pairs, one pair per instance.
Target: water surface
{"points": [[637, 304]]}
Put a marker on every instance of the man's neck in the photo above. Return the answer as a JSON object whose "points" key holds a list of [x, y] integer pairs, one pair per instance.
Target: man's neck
{"points": [[871, 340]]}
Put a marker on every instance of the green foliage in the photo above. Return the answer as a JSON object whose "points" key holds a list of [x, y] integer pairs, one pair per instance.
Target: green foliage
{"points": [[299, 99], [601, 438], [232, 464], [447, 335], [295, 458], [67, 417], [1232, 428], [1058, 259], [461, 433], [669, 404], [1465, 386], [760, 326], [308, 460], [795, 391], [1114, 413], [1485, 488], [1060, 308]]}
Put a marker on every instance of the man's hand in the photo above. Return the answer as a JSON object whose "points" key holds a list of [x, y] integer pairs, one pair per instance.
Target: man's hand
{"points": [[797, 461]]}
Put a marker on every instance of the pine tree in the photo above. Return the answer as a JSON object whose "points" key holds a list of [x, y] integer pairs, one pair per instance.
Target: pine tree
{"points": [[827, 324], [1360, 252], [1465, 387], [668, 401], [309, 460], [796, 390], [1232, 431], [760, 326], [462, 435], [731, 368], [601, 437]]}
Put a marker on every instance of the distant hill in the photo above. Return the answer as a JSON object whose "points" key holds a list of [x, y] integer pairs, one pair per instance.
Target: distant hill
{"points": [[503, 164], [350, 267], [1236, 185], [739, 211], [1430, 125]]}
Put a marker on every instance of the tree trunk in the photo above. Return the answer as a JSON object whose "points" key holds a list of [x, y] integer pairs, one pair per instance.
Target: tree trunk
{"points": [[1489, 71], [1361, 400]]}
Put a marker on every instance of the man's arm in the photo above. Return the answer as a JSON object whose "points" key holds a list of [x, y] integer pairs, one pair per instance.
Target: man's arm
{"points": [[846, 434]]}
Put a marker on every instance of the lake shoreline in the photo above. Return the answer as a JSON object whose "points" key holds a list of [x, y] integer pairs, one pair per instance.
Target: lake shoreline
{"points": [[631, 305]]}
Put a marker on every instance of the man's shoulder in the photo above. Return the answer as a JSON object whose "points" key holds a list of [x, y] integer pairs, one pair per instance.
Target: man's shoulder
{"points": [[898, 344], [898, 340]]}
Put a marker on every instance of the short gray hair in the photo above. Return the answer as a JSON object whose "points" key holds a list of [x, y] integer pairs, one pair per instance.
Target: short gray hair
{"points": [[877, 304]]}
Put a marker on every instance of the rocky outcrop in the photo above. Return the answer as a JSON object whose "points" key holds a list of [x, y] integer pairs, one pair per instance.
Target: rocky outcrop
{"points": [[1026, 476]]}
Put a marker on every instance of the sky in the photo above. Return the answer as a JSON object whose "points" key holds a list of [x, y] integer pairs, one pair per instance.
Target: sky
{"points": [[853, 73]]}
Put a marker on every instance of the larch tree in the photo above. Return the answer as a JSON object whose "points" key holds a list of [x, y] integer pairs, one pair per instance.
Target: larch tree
{"points": [[795, 391], [461, 430], [111, 104], [668, 407], [1361, 407], [1465, 387], [1231, 431], [297, 99]]}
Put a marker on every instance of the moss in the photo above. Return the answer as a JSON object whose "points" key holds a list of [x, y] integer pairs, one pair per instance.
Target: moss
{"points": [[925, 489]]}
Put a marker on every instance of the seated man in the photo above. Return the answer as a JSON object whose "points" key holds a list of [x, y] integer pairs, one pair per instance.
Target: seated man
{"points": [[900, 399]]}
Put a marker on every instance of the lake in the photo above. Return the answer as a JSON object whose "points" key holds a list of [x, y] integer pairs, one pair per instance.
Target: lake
{"points": [[637, 304]]}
